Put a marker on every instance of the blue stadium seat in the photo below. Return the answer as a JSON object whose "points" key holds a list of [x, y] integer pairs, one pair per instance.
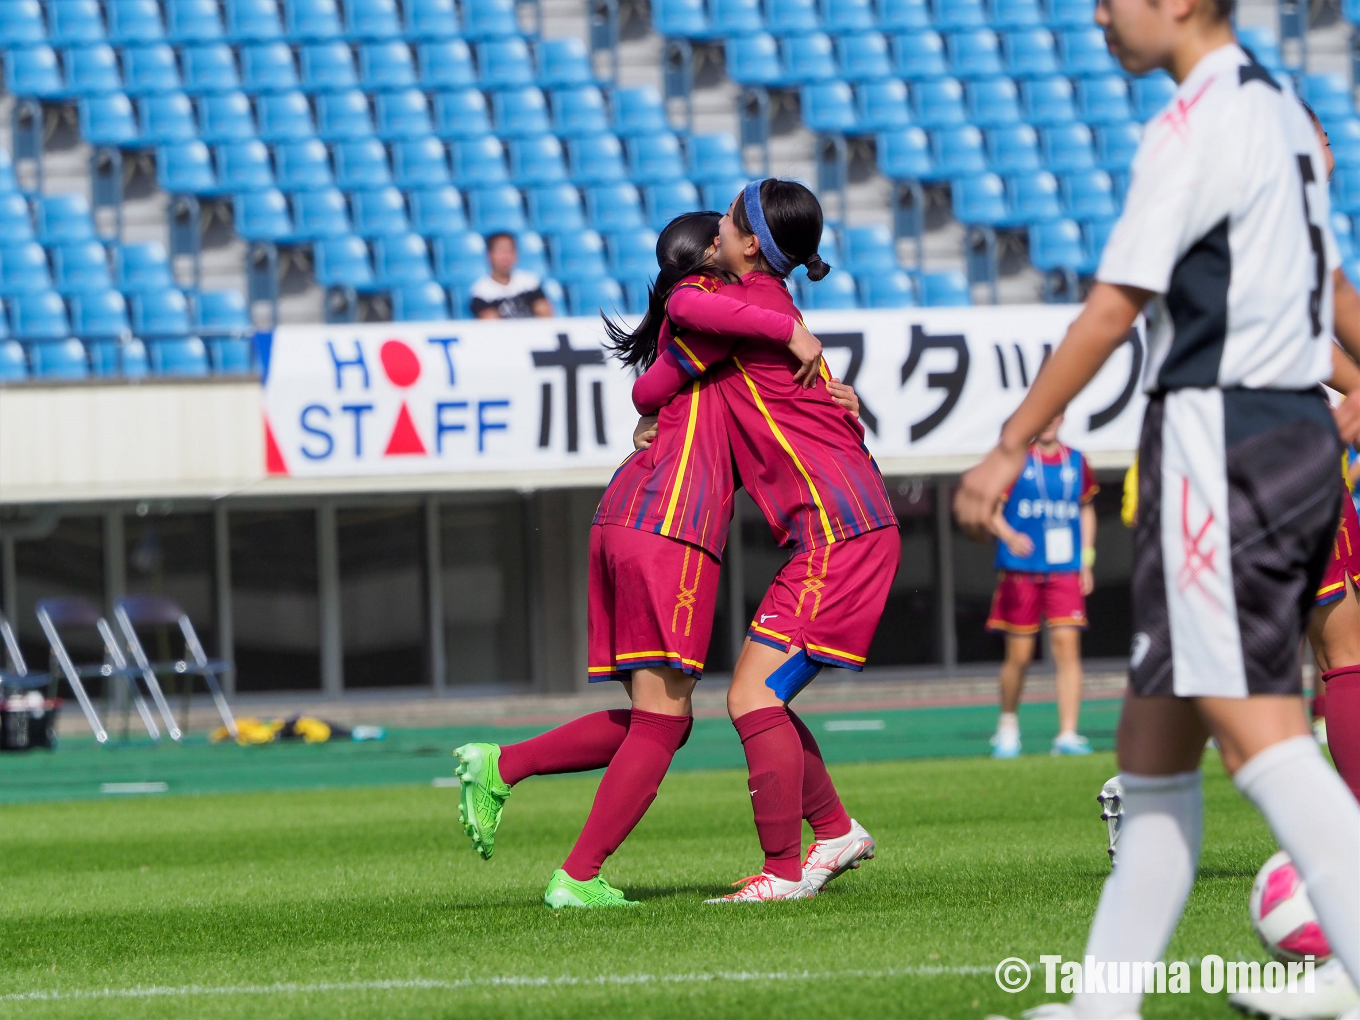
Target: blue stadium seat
{"points": [[1056, 244], [23, 268], [905, 155], [1034, 197], [59, 359], [1344, 136], [1068, 148], [360, 163], [210, 67], [419, 302], [150, 69], [632, 253], [1012, 14], [62, 219], [713, 156], [344, 115], [185, 168], [952, 15], [378, 212], [1089, 195], [226, 117], [829, 107], [419, 163], [686, 19], [993, 103], [1030, 53], [302, 164], [21, 24], [139, 267], [597, 160], [430, 20], [193, 21], [15, 223], [1263, 45], [789, 16], [400, 259], [504, 63], [835, 291], [979, 200], [99, 315], [33, 71], [13, 364], [327, 67], [436, 210], [840, 17], [261, 215], [959, 151], [554, 208], [252, 20], [91, 70], [945, 289], [883, 105], [7, 180], [591, 296], [127, 21], [342, 262], [1048, 101], [230, 355], [1329, 95], [1346, 190], [864, 57], [1150, 93], [36, 315], [461, 113], [220, 310], [664, 202], [735, 17], [974, 54], [614, 207], [80, 265], [903, 15], [318, 213], [459, 257], [1344, 232], [309, 20], [939, 103], [536, 161], [495, 208], [1103, 100], [479, 161], [754, 60], [108, 120], [1116, 145], [74, 22], [244, 165], [372, 19], [638, 111], [1084, 52], [890, 289], [810, 57], [179, 356], [869, 249], [718, 193], [284, 115], [160, 313], [521, 112], [1071, 13], [490, 19], [386, 65], [1013, 149], [563, 63], [655, 159], [267, 67], [579, 110], [578, 254], [404, 114], [445, 65]]}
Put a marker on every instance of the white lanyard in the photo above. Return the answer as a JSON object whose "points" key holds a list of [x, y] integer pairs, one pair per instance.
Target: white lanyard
{"points": [[1058, 545], [1066, 474]]}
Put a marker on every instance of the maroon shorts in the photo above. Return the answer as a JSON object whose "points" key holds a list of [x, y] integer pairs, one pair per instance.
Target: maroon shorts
{"points": [[828, 601], [1023, 599], [1345, 556], [652, 600]]}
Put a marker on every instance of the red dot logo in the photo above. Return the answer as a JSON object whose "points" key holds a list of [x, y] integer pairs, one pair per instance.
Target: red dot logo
{"points": [[400, 363]]}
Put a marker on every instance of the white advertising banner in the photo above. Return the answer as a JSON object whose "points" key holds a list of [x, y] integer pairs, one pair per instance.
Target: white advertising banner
{"points": [[543, 394]]}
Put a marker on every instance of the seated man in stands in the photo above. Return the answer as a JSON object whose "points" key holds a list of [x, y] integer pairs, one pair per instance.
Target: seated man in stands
{"points": [[507, 292]]}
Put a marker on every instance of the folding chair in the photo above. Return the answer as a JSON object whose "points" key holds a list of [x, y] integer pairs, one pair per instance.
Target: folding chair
{"points": [[157, 610], [54, 614], [16, 679]]}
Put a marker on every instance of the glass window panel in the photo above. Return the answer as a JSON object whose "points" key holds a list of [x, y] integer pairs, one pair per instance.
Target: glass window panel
{"points": [[382, 595], [173, 556], [275, 610], [486, 620]]}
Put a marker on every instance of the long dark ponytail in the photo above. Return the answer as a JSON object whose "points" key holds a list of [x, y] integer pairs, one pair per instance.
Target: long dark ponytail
{"points": [[794, 217], [682, 250]]}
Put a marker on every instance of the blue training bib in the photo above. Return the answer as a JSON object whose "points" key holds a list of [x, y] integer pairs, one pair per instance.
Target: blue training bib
{"points": [[1045, 505]]}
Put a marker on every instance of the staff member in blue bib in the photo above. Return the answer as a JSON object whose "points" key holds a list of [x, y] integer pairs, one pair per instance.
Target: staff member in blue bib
{"points": [[1046, 558]]}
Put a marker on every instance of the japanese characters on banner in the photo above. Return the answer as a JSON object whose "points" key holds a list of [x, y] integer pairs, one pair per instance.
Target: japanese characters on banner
{"points": [[543, 394]]}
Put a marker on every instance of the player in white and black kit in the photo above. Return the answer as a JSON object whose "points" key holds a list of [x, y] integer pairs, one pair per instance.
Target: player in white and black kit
{"points": [[1225, 241]]}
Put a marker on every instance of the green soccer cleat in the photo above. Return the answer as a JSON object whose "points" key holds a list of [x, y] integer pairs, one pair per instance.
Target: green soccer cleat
{"points": [[481, 794], [565, 891]]}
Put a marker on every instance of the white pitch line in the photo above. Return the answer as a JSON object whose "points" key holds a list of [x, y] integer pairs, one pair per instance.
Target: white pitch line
{"points": [[507, 981]]}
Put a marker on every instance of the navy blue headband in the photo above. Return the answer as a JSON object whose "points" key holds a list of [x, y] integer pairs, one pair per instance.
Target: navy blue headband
{"points": [[778, 261]]}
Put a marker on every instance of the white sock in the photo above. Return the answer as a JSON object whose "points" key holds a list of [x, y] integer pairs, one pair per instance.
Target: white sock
{"points": [[1315, 819], [1008, 721], [1142, 901]]}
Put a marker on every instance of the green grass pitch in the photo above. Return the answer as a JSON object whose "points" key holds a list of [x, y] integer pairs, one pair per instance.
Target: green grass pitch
{"points": [[368, 902]]}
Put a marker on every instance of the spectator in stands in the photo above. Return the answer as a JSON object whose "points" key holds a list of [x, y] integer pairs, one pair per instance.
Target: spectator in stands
{"points": [[507, 292]]}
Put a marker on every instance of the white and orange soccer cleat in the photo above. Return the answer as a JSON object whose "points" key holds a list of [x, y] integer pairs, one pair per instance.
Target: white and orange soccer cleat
{"points": [[764, 888], [830, 858]]}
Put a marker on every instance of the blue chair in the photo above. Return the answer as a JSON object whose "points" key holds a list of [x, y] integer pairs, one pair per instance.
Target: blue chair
{"points": [[1084, 53], [637, 111], [1344, 232], [302, 164], [939, 103], [81, 265], [445, 65], [372, 20], [312, 20], [1116, 145], [262, 216], [7, 181], [959, 151], [555, 207], [461, 114], [21, 24], [327, 67], [868, 250], [890, 289], [430, 20], [343, 116], [1103, 100], [245, 166], [808, 58], [1013, 149], [401, 115], [91, 70], [210, 67], [37, 315], [128, 21], [219, 310], [185, 168], [400, 259], [664, 202], [13, 364], [360, 163], [436, 210], [717, 193], [343, 262], [179, 356], [165, 118], [490, 19], [615, 207], [1056, 245], [1012, 14], [496, 208], [479, 161], [793, 15], [952, 15], [578, 254], [903, 15], [459, 257], [160, 313], [226, 117], [536, 161], [1034, 197], [655, 159], [15, 222], [378, 212], [883, 106], [282, 116], [268, 67], [74, 22], [1263, 45], [1030, 53], [563, 63], [993, 103], [386, 65], [1089, 195], [864, 57], [139, 267], [980, 200], [1069, 148], [835, 291], [905, 155], [419, 163], [974, 54], [419, 302], [1094, 235], [193, 21], [1346, 190], [579, 110], [598, 295], [99, 315], [597, 160], [62, 219], [754, 60], [59, 359], [632, 253], [33, 71], [504, 64], [1329, 95], [840, 17], [735, 17], [947, 289], [318, 213], [521, 112], [829, 107], [23, 268], [253, 21], [713, 156], [1048, 101], [1344, 136], [108, 121], [686, 19], [1071, 13], [1151, 93]]}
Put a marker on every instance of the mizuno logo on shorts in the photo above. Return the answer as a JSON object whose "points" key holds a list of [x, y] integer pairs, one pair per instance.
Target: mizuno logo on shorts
{"points": [[767, 616]]}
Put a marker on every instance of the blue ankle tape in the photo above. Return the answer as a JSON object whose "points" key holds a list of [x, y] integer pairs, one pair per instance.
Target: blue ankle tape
{"points": [[793, 676]]}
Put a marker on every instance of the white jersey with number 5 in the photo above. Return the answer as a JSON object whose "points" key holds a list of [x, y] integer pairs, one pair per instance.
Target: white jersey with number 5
{"points": [[1227, 221]]}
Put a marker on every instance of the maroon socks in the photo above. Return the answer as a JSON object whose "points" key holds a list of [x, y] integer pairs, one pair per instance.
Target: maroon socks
{"points": [[578, 746], [774, 761], [628, 788], [822, 805], [1343, 723]]}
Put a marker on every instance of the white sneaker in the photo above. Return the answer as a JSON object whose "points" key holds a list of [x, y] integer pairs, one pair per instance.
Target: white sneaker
{"points": [[1333, 997], [765, 888], [1057, 1011], [829, 858], [1006, 743], [1070, 744]]}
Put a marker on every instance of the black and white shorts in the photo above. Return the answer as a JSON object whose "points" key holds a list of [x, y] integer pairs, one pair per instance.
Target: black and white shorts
{"points": [[1237, 508]]}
